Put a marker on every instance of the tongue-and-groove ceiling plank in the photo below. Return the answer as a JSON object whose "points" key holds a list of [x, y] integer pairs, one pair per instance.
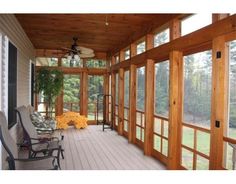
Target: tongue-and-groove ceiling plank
{"points": [[53, 31]]}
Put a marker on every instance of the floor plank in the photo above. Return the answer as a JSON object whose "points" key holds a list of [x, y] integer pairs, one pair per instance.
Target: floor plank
{"points": [[93, 149]]}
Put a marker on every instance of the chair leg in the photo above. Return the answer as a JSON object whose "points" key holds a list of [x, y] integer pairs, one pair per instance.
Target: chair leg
{"points": [[62, 155], [58, 157]]}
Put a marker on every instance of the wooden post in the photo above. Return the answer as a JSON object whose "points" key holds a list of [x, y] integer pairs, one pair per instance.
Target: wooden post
{"points": [[219, 100], [84, 94], [59, 99], [133, 50], [175, 111], [132, 103], [59, 105], [121, 101], [149, 106], [149, 41], [59, 61], [122, 55], [175, 29], [113, 90], [106, 91]]}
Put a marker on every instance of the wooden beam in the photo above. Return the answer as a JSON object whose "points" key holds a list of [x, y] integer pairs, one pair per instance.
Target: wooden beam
{"points": [[149, 106], [121, 101], [218, 16], [68, 70], [219, 101], [202, 37], [132, 103], [175, 111], [148, 27]]}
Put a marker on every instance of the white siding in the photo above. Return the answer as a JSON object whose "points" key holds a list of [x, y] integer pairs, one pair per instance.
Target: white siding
{"points": [[10, 27]]}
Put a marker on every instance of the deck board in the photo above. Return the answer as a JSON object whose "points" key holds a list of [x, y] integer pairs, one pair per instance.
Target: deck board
{"points": [[93, 149]]}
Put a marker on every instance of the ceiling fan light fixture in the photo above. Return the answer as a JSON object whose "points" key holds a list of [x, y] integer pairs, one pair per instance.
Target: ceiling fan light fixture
{"points": [[69, 57], [76, 57]]}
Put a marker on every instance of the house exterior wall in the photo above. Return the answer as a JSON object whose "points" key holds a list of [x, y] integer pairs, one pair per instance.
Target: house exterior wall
{"points": [[10, 27]]}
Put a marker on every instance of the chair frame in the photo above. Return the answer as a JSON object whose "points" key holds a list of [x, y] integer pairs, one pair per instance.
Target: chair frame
{"points": [[11, 160], [33, 153]]}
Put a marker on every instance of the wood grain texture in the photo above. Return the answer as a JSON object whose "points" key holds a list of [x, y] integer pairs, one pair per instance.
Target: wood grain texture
{"points": [[198, 40], [149, 106], [121, 101], [53, 31], [219, 101], [132, 103], [175, 111], [93, 149]]}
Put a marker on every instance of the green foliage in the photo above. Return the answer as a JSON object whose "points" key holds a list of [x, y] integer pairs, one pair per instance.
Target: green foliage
{"points": [[50, 83], [197, 87], [71, 88], [140, 88], [95, 63], [162, 88]]}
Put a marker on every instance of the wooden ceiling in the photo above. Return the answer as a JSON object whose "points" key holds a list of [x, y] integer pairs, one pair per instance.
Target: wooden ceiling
{"points": [[53, 31]]}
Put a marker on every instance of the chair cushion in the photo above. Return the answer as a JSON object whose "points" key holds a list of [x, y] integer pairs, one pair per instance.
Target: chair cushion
{"points": [[41, 124]]}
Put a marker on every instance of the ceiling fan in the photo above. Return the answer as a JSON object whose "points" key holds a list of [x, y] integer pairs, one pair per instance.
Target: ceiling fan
{"points": [[76, 52]]}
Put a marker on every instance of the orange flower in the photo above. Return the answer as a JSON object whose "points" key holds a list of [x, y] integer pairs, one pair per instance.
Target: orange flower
{"points": [[71, 117]]}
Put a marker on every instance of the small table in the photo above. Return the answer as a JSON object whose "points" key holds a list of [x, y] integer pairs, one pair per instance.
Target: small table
{"points": [[68, 118]]}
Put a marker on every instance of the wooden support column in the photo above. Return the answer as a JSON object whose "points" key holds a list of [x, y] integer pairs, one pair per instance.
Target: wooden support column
{"points": [[149, 41], [133, 50], [122, 55], [113, 90], [59, 104], [59, 99], [175, 29], [84, 94], [149, 106], [59, 61], [175, 110], [106, 91], [132, 103], [121, 101], [36, 101], [219, 100]]}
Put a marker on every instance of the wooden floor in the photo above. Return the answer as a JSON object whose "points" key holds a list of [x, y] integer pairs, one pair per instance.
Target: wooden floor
{"points": [[93, 149]]}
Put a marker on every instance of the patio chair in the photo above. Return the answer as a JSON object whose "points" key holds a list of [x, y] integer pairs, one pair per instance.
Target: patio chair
{"points": [[15, 163], [52, 144]]}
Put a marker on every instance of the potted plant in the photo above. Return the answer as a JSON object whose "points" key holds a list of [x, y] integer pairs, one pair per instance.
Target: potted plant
{"points": [[50, 83]]}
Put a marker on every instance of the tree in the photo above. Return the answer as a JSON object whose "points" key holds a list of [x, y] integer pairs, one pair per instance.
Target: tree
{"points": [[50, 83], [72, 91]]}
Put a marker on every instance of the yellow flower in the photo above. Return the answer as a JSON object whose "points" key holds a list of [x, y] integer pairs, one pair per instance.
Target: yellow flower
{"points": [[71, 118]]}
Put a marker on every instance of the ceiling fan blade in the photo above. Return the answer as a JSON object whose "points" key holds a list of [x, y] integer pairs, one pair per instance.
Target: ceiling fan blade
{"points": [[64, 48], [87, 55], [84, 50]]}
